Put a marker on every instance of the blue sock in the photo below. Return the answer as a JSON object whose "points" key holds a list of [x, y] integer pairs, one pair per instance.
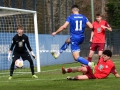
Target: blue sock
{"points": [[83, 60], [64, 47]]}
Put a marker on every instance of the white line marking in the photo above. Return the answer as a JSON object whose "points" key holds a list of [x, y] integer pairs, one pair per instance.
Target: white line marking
{"points": [[14, 80]]}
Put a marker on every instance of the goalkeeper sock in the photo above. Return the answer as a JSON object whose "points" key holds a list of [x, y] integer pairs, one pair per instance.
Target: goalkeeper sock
{"points": [[64, 47], [32, 69]]}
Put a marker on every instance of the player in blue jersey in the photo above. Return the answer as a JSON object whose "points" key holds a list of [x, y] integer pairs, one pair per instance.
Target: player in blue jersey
{"points": [[77, 26]]}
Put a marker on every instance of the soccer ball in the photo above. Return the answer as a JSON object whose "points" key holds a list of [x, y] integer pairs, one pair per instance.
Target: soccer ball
{"points": [[19, 63]]}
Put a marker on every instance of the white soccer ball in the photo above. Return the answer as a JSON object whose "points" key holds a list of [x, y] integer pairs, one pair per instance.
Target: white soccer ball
{"points": [[19, 63]]}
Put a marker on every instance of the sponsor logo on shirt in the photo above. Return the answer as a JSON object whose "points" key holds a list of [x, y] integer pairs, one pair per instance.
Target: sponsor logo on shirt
{"points": [[78, 17]]}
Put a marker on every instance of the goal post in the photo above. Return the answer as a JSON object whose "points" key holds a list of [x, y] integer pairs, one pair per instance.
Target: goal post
{"points": [[10, 18]]}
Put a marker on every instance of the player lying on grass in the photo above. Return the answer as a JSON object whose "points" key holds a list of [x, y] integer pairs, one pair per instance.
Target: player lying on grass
{"points": [[104, 67]]}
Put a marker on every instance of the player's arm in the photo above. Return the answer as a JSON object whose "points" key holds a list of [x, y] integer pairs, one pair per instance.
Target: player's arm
{"points": [[89, 25], [113, 71], [117, 75], [30, 49], [61, 28], [107, 26], [12, 45], [92, 33], [28, 45], [11, 48]]}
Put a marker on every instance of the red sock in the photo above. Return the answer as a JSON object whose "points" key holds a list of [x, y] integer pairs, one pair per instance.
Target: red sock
{"points": [[89, 59], [69, 70]]}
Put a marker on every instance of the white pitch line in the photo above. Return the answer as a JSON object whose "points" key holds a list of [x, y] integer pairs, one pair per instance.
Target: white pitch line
{"points": [[14, 80]]}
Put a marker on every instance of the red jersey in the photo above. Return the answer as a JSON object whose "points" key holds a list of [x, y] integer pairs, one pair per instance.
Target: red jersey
{"points": [[99, 32], [104, 68]]}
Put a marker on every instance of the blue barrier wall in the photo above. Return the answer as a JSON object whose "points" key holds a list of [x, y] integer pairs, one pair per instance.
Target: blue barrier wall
{"points": [[46, 44]]}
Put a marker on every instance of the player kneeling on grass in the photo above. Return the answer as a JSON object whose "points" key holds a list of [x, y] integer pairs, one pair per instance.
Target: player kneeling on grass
{"points": [[19, 43], [104, 67]]}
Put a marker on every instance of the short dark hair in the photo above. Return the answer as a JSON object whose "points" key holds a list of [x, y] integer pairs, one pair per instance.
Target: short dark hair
{"points": [[107, 52], [98, 14], [74, 6], [19, 27]]}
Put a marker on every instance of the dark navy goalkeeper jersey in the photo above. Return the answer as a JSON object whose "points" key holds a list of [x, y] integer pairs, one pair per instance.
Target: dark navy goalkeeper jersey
{"points": [[19, 44], [77, 23], [77, 27]]}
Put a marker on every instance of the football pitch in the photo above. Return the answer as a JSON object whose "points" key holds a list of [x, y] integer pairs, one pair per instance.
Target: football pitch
{"points": [[51, 78]]}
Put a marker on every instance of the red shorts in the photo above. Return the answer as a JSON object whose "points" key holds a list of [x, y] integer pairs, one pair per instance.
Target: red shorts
{"points": [[89, 73], [97, 46]]}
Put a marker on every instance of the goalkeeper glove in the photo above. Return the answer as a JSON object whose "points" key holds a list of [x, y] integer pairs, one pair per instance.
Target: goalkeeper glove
{"points": [[33, 55], [9, 55]]}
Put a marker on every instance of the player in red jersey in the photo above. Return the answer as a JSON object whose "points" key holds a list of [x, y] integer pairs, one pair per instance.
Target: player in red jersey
{"points": [[98, 36], [104, 67]]}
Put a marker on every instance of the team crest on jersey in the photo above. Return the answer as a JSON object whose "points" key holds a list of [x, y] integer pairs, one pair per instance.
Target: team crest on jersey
{"points": [[98, 30], [23, 40], [101, 67], [20, 44]]}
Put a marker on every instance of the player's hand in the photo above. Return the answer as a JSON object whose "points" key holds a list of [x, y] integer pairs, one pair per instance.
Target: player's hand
{"points": [[104, 26], [9, 56], [90, 40], [54, 33], [33, 55]]}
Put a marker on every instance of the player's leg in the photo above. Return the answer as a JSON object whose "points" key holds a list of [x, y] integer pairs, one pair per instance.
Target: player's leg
{"points": [[64, 47], [100, 53], [76, 49], [91, 53], [26, 56], [81, 59], [88, 74], [14, 58], [74, 69], [100, 49], [93, 48]]}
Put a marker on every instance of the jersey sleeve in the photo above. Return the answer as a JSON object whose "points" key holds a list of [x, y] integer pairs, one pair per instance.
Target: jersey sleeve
{"points": [[93, 26], [28, 44], [106, 24], [12, 44], [113, 70], [68, 19], [86, 19]]}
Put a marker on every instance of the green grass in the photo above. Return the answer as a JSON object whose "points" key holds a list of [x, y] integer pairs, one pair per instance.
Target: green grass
{"points": [[51, 79]]}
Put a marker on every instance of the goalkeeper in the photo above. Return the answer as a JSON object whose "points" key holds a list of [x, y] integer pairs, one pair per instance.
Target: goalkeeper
{"points": [[19, 43]]}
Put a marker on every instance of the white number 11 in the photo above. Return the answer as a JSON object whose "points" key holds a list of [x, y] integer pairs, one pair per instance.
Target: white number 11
{"points": [[78, 27]]}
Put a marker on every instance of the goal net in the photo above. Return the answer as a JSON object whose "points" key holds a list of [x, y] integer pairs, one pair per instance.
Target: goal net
{"points": [[10, 18]]}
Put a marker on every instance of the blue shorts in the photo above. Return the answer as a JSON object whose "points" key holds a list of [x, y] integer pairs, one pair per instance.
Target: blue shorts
{"points": [[75, 42]]}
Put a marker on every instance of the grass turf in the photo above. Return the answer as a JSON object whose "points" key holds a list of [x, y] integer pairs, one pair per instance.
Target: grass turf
{"points": [[51, 78]]}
